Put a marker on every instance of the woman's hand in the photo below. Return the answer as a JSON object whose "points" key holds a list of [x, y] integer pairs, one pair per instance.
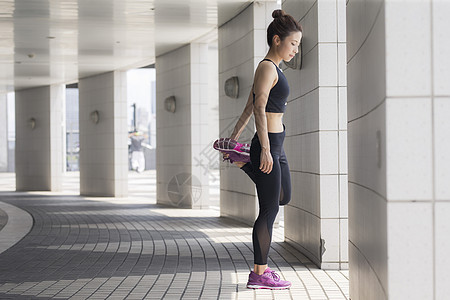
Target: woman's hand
{"points": [[266, 161], [224, 155]]}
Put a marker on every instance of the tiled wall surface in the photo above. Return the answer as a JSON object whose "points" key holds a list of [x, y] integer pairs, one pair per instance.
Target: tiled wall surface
{"points": [[57, 134], [213, 101], [182, 136], [242, 45], [367, 127], [316, 135], [103, 146], [399, 162], [3, 134], [201, 143], [39, 150], [367, 116], [441, 142]]}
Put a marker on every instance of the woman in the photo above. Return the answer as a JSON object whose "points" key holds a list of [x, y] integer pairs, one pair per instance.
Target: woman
{"points": [[268, 166]]}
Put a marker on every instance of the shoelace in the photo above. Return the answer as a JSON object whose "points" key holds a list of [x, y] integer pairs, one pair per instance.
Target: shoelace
{"points": [[275, 276]]}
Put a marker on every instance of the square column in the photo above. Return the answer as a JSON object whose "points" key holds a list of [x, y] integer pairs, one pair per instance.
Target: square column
{"points": [[182, 134], [316, 219], [399, 161], [39, 137], [242, 45], [103, 135]]}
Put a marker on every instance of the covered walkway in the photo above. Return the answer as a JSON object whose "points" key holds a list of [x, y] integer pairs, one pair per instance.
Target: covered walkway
{"points": [[131, 248]]}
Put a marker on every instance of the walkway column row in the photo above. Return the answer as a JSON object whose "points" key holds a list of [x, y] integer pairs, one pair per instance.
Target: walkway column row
{"points": [[40, 134]]}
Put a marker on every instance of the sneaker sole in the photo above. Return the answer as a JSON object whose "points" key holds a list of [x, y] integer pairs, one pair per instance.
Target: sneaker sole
{"points": [[255, 286], [222, 141], [232, 150], [242, 155]]}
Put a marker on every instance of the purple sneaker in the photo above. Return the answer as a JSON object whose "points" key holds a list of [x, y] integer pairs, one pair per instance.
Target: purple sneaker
{"points": [[268, 280], [236, 151]]}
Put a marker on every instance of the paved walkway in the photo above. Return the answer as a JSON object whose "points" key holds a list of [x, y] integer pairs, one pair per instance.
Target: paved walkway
{"points": [[106, 248]]}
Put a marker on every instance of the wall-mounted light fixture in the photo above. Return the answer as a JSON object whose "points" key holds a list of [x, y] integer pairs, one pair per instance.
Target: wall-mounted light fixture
{"points": [[32, 123], [232, 87], [296, 62], [170, 104], [95, 116]]}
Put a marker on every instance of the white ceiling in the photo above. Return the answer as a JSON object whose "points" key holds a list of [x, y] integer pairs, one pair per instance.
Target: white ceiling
{"points": [[45, 42]]}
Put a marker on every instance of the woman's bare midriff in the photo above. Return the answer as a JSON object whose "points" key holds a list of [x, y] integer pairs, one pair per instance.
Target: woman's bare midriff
{"points": [[274, 122]]}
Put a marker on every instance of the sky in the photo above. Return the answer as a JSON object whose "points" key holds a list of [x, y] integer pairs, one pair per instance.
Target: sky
{"points": [[139, 89]]}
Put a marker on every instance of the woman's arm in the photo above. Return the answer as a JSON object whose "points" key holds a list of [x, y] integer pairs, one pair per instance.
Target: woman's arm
{"points": [[245, 117], [265, 77]]}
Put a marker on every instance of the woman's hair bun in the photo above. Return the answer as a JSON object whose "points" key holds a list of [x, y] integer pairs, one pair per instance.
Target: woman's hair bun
{"points": [[282, 25], [278, 13]]}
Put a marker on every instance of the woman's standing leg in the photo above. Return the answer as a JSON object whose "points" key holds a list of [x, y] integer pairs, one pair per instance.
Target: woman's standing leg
{"points": [[268, 188]]}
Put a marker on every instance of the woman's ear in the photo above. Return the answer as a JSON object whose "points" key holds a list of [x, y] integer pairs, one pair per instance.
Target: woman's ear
{"points": [[276, 40]]}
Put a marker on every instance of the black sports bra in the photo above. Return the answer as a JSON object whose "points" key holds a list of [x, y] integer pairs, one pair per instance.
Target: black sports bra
{"points": [[278, 94]]}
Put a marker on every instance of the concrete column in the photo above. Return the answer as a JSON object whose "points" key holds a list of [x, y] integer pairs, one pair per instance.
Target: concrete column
{"points": [[39, 132], [399, 161], [316, 220], [242, 45], [103, 135], [3, 133], [182, 135]]}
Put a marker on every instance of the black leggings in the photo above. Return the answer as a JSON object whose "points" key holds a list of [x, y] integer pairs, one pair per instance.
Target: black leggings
{"points": [[273, 189]]}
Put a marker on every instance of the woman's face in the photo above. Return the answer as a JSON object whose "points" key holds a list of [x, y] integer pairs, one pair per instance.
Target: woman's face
{"points": [[289, 46]]}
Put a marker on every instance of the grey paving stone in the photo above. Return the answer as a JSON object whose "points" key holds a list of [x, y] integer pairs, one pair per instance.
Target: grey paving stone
{"points": [[108, 248]]}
